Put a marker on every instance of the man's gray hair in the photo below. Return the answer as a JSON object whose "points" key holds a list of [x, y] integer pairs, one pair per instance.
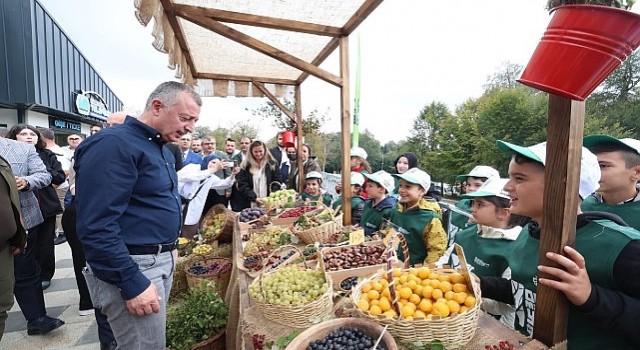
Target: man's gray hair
{"points": [[168, 92], [47, 134]]}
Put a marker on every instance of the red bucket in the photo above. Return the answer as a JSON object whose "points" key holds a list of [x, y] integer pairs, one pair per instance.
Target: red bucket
{"points": [[583, 44], [289, 138]]}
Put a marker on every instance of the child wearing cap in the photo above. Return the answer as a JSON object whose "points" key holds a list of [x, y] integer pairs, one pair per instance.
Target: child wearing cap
{"points": [[360, 165], [620, 166], [472, 181], [313, 189], [487, 244], [600, 277], [357, 202], [418, 220], [380, 204]]}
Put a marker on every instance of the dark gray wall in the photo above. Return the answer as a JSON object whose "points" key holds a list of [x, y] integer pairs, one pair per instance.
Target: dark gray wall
{"points": [[41, 64]]}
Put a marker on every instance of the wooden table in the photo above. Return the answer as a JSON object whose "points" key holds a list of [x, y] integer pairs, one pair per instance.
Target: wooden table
{"points": [[238, 300]]}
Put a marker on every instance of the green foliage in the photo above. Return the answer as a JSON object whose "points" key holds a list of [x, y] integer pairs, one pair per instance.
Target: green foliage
{"points": [[624, 4], [310, 124], [198, 317]]}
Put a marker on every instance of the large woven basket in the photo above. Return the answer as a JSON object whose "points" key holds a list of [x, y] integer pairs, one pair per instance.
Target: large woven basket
{"points": [[225, 233], [453, 331], [217, 342], [321, 330], [298, 316], [322, 233], [221, 277]]}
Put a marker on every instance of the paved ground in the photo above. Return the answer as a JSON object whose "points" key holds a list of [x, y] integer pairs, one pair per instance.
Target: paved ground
{"points": [[79, 332]]}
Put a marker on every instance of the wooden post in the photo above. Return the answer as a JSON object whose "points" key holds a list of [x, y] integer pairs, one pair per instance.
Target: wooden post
{"points": [[301, 173], [562, 178], [345, 122]]}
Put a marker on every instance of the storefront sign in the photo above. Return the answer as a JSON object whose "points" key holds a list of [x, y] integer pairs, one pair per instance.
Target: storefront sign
{"points": [[57, 123], [90, 103]]}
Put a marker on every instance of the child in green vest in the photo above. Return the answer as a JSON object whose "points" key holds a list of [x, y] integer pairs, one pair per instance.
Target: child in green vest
{"points": [[357, 202], [600, 276], [380, 204], [418, 219], [487, 244], [620, 166], [313, 189], [472, 181]]}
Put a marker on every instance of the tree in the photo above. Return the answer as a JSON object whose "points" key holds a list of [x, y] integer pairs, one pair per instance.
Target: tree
{"points": [[505, 78], [310, 124]]}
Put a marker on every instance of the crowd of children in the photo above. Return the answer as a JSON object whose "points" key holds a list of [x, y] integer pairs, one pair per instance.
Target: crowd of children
{"points": [[497, 222]]}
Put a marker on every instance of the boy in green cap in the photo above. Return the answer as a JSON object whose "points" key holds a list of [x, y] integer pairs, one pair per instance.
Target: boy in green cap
{"points": [[380, 204], [357, 202], [620, 166], [600, 276], [313, 189], [472, 181], [418, 219]]}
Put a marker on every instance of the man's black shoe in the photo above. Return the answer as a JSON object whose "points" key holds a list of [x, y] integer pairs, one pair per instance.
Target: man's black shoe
{"points": [[45, 284], [108, 346], [43, 324], [59, 239]]}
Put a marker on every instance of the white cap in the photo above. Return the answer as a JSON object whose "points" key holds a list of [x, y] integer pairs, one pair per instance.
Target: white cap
{"points": [[416, 176], [482, 171], [592, 140], [384, 179], [358, 152], [493, 187], [313, 175], [357, 178], [589, 167]]}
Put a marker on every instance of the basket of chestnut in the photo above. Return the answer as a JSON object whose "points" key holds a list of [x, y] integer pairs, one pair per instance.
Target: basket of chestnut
{"points": [[346, 263], [344, 333]]}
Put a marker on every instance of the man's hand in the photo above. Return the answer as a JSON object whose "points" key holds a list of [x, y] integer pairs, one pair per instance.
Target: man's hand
{"points": [[573, 281], [145, 303], [15, 250], [21, 183]]}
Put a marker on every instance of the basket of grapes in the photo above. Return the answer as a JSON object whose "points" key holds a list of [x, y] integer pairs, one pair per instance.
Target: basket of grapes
{"points": [[293, 295], [344, 333], [213, 269], [218, 224]]}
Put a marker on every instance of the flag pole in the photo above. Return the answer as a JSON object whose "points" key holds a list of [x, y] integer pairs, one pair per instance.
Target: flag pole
{"points": [[356, 102]]}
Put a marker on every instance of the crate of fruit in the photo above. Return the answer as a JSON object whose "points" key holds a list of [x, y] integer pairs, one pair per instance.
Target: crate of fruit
{"points": [[318, 225], [288, 216], [342, 263], [249, 216], [422, 304], [344, 333]]}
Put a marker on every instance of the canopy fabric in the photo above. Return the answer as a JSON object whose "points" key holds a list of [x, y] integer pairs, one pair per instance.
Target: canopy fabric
{"points": [[224, 47]]}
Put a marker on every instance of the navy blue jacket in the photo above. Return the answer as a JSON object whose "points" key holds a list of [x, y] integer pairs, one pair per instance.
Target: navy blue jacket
{"points": [[126, 194]]}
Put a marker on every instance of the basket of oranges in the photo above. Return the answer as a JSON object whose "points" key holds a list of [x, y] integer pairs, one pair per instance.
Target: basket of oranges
{"points": [[421, 304]]}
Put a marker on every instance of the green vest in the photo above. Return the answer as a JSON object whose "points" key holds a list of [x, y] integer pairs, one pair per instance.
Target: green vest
{"points": [[372, 218], [459, 220], [411, 223], [355, 201], [629, 212], [326, 198], [600, 242], [487, 256]]}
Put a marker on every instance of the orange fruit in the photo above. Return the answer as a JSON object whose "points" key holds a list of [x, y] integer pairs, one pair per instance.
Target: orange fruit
{"points": [[413, 271], [436, 294], [434, 283], [412, 284], [453, 306], [425, 282], [459, 287], [418, 290], [405, 293], [424, 272], [366, 288], [373, 294], [440, 309], [386, 293], [463, 308], [443, 278], [445, 286], [425, 305], [441, 300], [397, 272], [415, 298], [403, 278], [449, 295], [419, 314], [456, 277], [375, 310], [408, 311], [377, 286], [362, 305], [470, 301], [459, 297], [427, 291], [389, 314], [384, 304]]}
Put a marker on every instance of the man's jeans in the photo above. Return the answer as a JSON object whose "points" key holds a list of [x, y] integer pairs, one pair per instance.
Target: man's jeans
{"points": [[132, 331]]}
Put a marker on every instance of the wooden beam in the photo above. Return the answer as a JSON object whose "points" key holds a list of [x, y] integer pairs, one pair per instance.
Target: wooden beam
{"points": [[324, 53], [345, 122], [244, 78], [169, 11], [275, 100], [360, 15], [562, 177], [260, 21], [262, 47], [301, 173]]}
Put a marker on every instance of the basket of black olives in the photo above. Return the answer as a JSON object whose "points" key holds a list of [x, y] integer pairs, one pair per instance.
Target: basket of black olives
{"points": [[346, 334]]}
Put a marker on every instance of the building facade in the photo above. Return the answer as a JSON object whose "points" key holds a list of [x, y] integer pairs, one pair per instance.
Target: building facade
{"points": [[45, 81]]}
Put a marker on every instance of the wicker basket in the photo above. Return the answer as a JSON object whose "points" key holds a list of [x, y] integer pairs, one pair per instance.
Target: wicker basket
{"points": [[217, 342], [298, 316], [322, 233], [321, 330], [225, 233], [221, 277], [453, 331]]}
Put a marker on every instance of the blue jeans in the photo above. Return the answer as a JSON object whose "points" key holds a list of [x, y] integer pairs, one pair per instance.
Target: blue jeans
{"points": [[132, 331]]}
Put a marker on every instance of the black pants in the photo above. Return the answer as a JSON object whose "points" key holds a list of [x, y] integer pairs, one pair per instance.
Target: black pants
{"points": [[214, 198], [238, 201], [28, 287], [45, 250], [77, 253]]}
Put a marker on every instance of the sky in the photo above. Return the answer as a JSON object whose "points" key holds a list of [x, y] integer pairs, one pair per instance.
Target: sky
{"points": [[413, 53]]}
